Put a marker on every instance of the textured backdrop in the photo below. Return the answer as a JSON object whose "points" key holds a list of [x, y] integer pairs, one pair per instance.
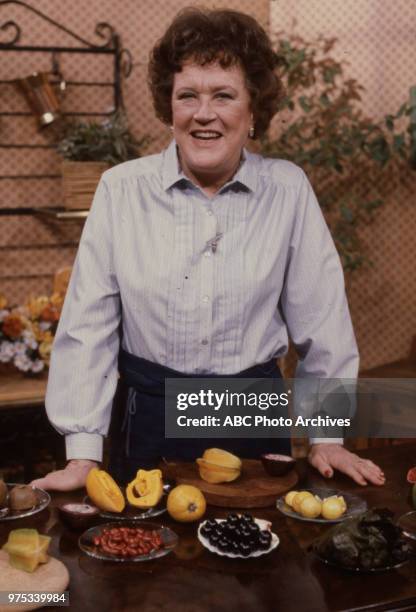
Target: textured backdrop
{"points": [[377, 38]]}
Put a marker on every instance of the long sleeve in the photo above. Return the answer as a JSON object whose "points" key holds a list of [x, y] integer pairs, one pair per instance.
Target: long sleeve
{"points": [[83, 371], [313, 302]]}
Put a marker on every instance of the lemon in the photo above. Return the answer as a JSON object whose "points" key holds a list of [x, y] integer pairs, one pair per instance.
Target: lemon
{"points": [[298, 498], [310, 507], [333, 507], [289, 497]]}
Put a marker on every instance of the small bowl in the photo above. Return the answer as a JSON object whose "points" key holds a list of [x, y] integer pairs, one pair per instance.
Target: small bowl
{"points": [[79, 516], [277, 465]]}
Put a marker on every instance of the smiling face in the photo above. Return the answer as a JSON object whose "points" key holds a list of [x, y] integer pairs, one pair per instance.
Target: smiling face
{"points": [[211, 119]]}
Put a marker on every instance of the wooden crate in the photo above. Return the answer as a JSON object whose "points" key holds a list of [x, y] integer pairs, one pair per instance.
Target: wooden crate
{"points": [[79, 182]]}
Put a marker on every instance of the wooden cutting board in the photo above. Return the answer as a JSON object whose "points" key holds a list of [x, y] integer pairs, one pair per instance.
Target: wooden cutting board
{"points": [[51, 577], [253, 489]]}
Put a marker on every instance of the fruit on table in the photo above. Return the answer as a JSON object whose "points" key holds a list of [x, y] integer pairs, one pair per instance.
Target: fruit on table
{"points": [[146, 490], [237, 534], [217, 465], [27, 549], [289, 497], [186, 503], [333, 507], [310, 507], [298, 499], [104, 491], [3, 493], [22, 497]]}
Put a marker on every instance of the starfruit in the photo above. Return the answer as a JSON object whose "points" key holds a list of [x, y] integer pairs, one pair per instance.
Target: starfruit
{"points": [[27, 549], [146, 490], [104, 492], [217, 465]]}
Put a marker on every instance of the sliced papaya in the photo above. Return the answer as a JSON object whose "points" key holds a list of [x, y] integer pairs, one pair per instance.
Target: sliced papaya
{"points": [[104, 491]]}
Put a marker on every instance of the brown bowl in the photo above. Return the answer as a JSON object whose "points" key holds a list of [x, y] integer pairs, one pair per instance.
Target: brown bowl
{"points": [[79, 516], [277, 465]]}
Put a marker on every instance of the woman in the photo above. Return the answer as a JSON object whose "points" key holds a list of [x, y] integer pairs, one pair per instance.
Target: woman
{"points": [[198, 261]]}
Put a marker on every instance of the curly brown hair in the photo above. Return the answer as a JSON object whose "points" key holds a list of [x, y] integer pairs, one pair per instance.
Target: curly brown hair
{"points": [[224, 36]]}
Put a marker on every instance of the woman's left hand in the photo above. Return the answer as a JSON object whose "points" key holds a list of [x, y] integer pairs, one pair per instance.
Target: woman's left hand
{"points": [[327, 457]]}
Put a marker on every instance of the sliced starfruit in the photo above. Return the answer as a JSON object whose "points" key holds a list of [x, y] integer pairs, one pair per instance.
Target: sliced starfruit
{"points": [[222, 457], [104, 492], [27, 549]]}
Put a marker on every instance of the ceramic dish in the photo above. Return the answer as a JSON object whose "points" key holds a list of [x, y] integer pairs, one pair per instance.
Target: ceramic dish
{"points": [[258, 553], [86, 542], [355, 505], [44, 500]]}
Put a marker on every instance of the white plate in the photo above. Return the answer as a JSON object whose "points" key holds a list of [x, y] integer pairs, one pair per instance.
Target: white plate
{"points": [[258, 553]]}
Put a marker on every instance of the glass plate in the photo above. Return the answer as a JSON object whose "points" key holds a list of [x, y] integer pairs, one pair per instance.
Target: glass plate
{"points": [[86, 542], [355, 505], [408, 524], [258, 553], [130, 513], [44, 500], [360, 570]]}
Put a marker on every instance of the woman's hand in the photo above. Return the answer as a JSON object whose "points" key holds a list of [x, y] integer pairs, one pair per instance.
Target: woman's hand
{"points": [[327, 457], [72, 477]]}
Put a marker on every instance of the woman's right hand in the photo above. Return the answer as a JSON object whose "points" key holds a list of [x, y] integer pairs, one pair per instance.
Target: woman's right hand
{"points": [[72, 477]]}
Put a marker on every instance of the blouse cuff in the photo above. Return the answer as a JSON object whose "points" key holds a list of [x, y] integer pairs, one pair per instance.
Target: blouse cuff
{"points": [[327, 441], [84, 446]]}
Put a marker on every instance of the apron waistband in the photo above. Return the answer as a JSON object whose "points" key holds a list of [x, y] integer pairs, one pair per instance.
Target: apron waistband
{"points": [[149, 378]]}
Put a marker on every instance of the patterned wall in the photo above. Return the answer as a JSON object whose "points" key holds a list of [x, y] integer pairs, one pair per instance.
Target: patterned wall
{"points": [[377, 38], [32, 249]]}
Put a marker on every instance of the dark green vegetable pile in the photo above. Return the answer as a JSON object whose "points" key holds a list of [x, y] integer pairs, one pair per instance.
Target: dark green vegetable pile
{"points": [[368, 541]]}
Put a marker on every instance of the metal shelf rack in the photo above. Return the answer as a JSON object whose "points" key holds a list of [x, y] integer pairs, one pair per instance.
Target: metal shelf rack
{"points": [[122, 66]]}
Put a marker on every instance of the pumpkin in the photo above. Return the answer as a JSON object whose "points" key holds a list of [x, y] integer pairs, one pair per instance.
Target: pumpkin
{"points": [[104, 492], [146, 490], [186, 503]]}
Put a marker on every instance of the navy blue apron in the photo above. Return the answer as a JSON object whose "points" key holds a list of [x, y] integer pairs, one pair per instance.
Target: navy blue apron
{"points": [[137, 430]]}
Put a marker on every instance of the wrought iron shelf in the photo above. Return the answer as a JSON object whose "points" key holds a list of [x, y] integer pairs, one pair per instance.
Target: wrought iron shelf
{"points": [[57, 213], [108, 44], [62, 214]]}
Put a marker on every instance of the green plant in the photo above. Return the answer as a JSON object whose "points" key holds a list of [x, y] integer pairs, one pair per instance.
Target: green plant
{"points": [[110, 141], [354, 162]]}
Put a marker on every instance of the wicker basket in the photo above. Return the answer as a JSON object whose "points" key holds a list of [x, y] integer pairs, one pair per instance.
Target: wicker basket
{"points": [[79, 182]]}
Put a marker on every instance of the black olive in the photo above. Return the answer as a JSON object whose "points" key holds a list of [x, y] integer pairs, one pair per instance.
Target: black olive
{"points": [[244, 549], [211, 523], [232, 519], [213, 538], [248, 517], [223, 545], [206, 530], [265, 539], [245, 534]]}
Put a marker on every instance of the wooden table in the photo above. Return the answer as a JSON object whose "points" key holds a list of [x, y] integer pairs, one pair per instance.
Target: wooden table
{"points": [[191, 579]]}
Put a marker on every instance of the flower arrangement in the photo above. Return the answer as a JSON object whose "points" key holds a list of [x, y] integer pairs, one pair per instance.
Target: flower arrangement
{"points": [[27, 332]]}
